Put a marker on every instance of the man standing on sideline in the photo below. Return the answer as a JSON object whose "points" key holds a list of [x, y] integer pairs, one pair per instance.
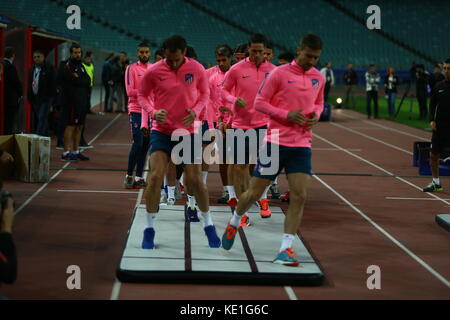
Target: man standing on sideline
{"points": [[75, 89], [13, 93], [245, 78], [124, 62], [350, 80], [372, 82], [41, 91], [422, 82], [89, 67], [440, 124], [329, 77], [107, 82], [436, 77], [292, 96], [137, 155], [179, 91]]}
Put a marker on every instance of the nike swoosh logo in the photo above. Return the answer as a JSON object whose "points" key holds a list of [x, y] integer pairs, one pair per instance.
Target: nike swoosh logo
{"points": [[162, 79], [291, 81], [244, 77], [441, 91]]}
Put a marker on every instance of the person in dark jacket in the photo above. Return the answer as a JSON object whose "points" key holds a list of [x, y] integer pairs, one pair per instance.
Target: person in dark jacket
{"points": [[117, 77], [107, 82], [440, 124], [422, 82], [41, 91], [436, 77], [350, 80], [13, 92], [75, 95], [391, 81]]}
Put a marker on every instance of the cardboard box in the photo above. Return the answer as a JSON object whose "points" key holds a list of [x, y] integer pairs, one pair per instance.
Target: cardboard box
{"points": [[31, 154]]}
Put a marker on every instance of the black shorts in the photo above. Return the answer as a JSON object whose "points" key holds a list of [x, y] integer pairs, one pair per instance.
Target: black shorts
{"points": [[440, 141], [73, 115]]}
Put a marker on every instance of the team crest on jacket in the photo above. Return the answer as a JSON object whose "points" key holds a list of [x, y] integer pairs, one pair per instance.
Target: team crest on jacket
{"points": [[189, 77], [315, 83]]}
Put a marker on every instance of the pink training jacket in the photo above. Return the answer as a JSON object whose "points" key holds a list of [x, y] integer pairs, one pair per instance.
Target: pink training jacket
{"points": [[245, 78], [215, 88], [288, 88], [133, 76], [175, 91]]}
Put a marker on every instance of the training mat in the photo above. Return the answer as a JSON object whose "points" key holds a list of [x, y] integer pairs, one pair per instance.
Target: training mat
{"points": [[182, 254], [444, 221]]}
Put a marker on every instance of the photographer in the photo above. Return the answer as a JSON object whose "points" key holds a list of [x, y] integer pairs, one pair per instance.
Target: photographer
{"points": [[8, 261]]}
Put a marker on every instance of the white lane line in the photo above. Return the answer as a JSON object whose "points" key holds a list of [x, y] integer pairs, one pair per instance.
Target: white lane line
{"points": [[385, 233], [59, 171], [290, 292], [98, 191], [372, 138], [333, 149], [386, 127], [380, 168], [399, 198], [115, 293]]}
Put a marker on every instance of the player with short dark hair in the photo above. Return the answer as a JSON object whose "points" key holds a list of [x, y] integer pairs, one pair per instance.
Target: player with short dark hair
{"points": [[244, 78], [440, 124], [140, 143], [179, 91], [292, 96]]}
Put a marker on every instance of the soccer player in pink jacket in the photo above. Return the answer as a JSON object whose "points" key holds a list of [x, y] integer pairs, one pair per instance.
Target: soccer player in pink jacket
{"points": [[293, 98], [179, 91], [139, 148], [245, 78]]}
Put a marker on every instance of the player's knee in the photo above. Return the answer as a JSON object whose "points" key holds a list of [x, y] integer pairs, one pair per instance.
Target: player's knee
{"points": [[434, 156], [298, 197]]}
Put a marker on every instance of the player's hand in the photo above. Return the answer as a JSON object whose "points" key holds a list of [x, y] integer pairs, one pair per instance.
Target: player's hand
{"points": [[189, 119], [7, 216], [240, 103], [160, 115], [297, 117], [433, 125], [145, 132], [312, 120], [225, 109], [6, 157]]}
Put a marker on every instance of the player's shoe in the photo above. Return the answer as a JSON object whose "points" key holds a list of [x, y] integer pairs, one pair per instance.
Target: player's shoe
{"points": [[140, 184], [213, 239], [264, 209], [285, 197], [433, 187], [275, 191], [170, 201], [228, 237], [192, 214], [163, 199], [245, 222], [148, 241], [232, 202], [69, 157], [128, 182], [287, 258], [224, 198], [82, 157]]}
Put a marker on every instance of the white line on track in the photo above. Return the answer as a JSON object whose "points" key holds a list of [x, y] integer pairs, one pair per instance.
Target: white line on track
{"points": [[61, 170], [115, 293], [385, 233], [380, 168], [333, 149], [385, 127], [98, 191], [290, 292], [399, 198], [372, 138]]}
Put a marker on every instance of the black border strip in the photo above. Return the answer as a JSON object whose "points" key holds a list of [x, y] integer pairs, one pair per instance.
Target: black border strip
{"points": [[187, 242], [444, 224]]}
